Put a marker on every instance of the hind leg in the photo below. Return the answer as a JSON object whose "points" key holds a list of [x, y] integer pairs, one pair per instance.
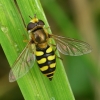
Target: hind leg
{"points": [[55, 51]]}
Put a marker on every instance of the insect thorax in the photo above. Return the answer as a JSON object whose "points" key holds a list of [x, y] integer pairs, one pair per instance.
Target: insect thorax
{"points": [[40, 36]]}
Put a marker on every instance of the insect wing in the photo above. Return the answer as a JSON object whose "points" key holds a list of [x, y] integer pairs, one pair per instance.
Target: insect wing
{"points": [[24, 62], [72, 47]]}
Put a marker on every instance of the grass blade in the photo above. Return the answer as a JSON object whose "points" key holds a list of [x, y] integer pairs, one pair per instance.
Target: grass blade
{"points": [[34, 85]]}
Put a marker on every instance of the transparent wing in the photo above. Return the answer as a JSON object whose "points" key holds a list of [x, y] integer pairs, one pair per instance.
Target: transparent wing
{"points": [[24, 62], [72, 47]]}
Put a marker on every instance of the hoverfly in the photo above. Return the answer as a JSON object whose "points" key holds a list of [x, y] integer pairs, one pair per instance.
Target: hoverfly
{"points": [[43, 51]]}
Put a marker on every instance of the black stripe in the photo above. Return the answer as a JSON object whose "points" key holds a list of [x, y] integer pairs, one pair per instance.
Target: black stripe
{"points": [[42, 49], [49, 75], [45, 55], [47, 63], [49, 70]]}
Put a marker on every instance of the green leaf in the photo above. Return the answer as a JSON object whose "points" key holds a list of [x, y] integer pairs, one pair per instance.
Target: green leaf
{"points": [[34, 85]]}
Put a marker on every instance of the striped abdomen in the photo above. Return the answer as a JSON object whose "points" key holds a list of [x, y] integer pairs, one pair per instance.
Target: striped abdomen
{"points": [[46, 61]]}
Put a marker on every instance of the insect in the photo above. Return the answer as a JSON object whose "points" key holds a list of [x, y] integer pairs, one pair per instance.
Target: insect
{"points": [[39, 49]]}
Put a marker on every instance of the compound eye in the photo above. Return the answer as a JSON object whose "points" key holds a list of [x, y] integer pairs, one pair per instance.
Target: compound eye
{"points": [[31, 26], [40, 22]]}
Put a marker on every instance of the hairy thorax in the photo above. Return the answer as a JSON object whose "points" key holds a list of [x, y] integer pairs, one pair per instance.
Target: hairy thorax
{"points": [[40, 38]]}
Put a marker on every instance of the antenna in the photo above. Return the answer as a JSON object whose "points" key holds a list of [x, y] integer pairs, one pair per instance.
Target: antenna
{"points": [[30, 17], [34, 15]]}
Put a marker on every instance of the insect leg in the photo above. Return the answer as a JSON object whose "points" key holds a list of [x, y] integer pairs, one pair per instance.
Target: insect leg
{"points": [[59, 57], [55, 51]]}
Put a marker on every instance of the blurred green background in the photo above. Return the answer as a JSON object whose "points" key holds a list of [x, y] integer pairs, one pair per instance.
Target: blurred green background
{"points": [[78, 19]]}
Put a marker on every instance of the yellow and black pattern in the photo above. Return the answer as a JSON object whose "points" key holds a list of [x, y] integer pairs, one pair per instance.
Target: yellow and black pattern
{"points": [[46, 60]]}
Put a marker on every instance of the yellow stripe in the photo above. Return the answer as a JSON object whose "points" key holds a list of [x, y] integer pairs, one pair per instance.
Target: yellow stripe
{"points": [[50, 77], [44, 68], [39, 53], [52, 65], [51, 57], [49, 50], [49, 73], [41, 61]]}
